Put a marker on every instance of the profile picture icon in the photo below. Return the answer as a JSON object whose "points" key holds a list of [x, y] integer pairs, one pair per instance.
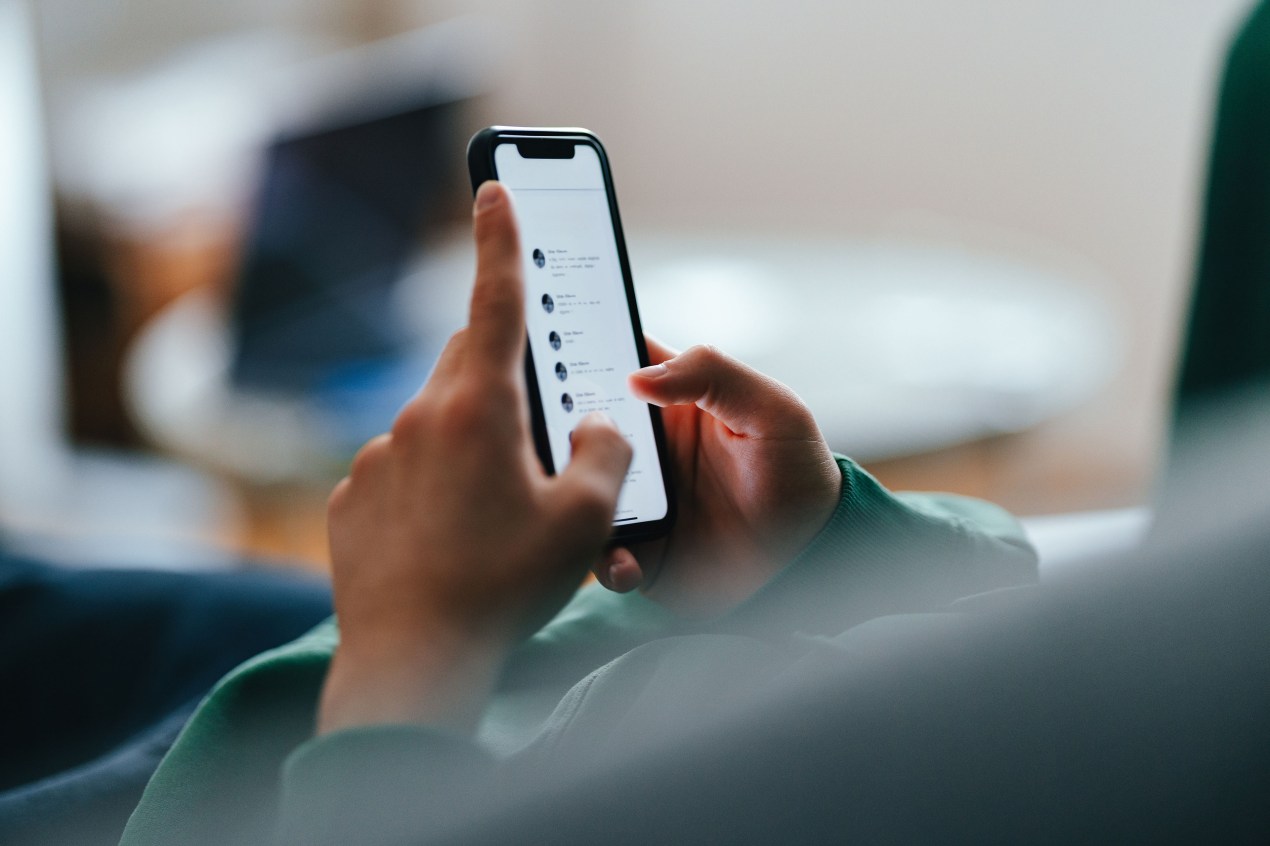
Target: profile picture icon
{"points": [[562, 372], [548, 304], [554, 340], [566, 402], [539, 258]]}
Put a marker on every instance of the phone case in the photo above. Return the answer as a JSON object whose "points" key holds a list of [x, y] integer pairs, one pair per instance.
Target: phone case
{"points": [[480, 162]]}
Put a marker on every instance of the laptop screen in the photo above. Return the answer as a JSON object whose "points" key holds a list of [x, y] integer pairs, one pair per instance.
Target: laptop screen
{"points": [[338, 213]]}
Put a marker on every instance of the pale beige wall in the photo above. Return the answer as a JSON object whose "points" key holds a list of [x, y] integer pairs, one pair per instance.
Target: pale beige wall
{"points": [[1074, 131]]}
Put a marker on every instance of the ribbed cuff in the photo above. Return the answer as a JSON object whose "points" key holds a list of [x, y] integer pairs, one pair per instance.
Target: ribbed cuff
{"points": [[367, 785], [877, 555]]}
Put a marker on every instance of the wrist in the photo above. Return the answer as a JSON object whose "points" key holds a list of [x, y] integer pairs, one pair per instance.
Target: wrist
{"points": [[433, 678]]}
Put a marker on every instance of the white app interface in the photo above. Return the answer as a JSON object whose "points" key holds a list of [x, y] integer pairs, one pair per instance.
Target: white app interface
{"points": [[577, 315]]}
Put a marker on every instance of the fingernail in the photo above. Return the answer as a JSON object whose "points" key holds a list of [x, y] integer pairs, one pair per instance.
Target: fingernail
{"points": [[653, 372], [487, 195]]}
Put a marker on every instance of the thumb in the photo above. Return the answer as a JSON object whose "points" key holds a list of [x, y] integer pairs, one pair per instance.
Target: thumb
{"points": [[597, 468], [738, 396]]}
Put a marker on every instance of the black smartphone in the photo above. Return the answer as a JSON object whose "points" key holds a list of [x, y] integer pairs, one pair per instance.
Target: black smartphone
{"points": [[582, 324]]}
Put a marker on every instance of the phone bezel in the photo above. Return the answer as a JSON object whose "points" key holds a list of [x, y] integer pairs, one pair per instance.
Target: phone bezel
{"points": [[550, 142]]}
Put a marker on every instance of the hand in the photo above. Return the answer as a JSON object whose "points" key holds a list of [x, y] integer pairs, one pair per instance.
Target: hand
{"points": [[448, 541], [755, 481]]}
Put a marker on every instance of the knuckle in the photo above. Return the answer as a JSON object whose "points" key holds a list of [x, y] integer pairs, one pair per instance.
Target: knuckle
{"points": [[451, 354], [706, 358], [458, 339], [467, 410], [501, 391], [464, 405], [338, 499], [370, 456], [411, 422], [708, 353]]}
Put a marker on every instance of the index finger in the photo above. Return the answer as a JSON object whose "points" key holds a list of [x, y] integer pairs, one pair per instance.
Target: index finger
{"points": [[496, 317]]}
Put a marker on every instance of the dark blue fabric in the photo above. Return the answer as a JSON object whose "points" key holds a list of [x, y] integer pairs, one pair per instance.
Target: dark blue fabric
{"points": [[99, 669], [89, 804]]}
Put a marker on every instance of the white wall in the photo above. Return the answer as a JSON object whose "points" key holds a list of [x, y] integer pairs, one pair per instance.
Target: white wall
{"points": [[1072, 131], [33, 451]]}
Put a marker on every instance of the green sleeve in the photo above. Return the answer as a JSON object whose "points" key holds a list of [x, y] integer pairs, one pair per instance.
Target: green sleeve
{"points": [[401, 783], [219, 782], [880, 553], [887, 553]]}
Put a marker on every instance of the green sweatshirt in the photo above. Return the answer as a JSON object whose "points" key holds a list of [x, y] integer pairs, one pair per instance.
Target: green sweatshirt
{"points": [[247, 769]]}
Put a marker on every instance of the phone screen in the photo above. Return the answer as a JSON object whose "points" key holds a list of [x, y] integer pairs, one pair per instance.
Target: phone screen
{"points": [[578, 315]]}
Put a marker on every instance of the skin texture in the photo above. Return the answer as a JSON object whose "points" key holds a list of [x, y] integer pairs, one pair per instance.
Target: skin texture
{"points": [[449, 543], [755, 478]]}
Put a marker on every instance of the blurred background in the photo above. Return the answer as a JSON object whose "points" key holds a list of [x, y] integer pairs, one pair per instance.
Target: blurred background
{"points": [[233, 235]]}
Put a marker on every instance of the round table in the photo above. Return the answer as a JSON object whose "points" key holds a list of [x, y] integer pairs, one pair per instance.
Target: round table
{"points": [[898, 348]]}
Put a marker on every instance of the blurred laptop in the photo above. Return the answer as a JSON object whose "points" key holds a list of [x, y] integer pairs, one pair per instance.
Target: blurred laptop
{"points": [[343, 199]]}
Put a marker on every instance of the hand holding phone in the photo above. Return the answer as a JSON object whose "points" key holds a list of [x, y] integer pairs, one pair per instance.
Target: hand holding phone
{"points": [[582, 323], [757, 483], [449, 544]]}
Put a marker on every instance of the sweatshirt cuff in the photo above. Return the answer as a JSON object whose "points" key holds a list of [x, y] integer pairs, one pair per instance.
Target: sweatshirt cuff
{"points": [[367, 785], [880, 554], [832, 543]]}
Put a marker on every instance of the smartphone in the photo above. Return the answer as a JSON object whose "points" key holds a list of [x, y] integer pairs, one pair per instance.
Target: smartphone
{"points": [[582, 324]]}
